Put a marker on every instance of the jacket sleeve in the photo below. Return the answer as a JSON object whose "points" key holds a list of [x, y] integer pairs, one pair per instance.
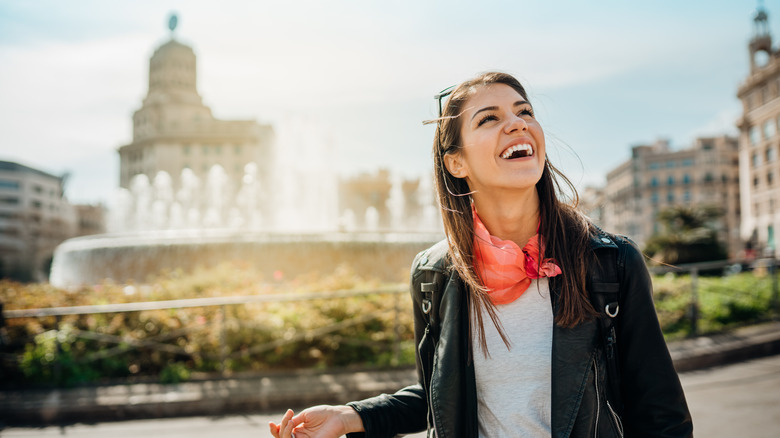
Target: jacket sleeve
{"points": [[654, 403], [404, 412]]}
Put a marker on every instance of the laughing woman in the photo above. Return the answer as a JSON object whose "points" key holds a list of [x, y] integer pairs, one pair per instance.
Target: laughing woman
{"points": [[509, 340]]}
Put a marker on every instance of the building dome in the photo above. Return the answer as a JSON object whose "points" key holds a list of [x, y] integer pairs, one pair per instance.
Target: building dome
{"points": [[172, 72]]}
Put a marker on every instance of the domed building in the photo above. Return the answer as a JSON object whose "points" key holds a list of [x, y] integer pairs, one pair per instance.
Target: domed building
{"points": [[176, 138]]}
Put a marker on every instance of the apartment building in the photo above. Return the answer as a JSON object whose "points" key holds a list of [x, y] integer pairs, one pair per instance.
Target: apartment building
{"points": [[34, 218], [657, 177]]}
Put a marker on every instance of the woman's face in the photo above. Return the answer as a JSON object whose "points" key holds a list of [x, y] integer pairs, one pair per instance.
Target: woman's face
{"points": [[502, 143]]}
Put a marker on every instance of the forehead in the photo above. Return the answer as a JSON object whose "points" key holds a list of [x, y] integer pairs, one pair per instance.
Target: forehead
{"points": [[490, 95]]}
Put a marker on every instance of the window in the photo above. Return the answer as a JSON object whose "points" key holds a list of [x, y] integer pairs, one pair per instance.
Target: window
{"points": [[654, 182], [686, 179], [755, 182], [770, 177], [769, 129], [670, 180], [670, 164], [670, 197], [7, 184], [687, 162], [9, 200], [708, 177], [654, 198], [687, 196], [37, 189], [756, 160], [753, 135], [707, 145], [654, 165], [771, 154]]}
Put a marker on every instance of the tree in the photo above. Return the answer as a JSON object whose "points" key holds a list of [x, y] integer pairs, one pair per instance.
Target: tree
{"points": [[689, 235]]}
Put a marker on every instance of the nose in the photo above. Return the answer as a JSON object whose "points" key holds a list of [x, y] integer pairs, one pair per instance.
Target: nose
{"points": [[515, 123]]}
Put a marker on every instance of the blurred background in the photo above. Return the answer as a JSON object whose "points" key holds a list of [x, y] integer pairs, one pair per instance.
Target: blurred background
{"points": [[201, 192], [306, 116]]}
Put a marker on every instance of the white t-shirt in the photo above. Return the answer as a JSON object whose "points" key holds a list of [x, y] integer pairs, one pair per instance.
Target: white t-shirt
{"points": [[514, 385]]}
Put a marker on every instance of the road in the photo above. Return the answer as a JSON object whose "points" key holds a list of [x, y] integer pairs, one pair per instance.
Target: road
{"points": [[740, 400]]}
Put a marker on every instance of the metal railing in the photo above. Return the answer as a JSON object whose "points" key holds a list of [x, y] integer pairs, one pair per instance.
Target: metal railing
{"points": [[725, 267], [159, 342]]}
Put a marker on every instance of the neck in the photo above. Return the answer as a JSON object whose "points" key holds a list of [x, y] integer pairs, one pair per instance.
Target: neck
{"points": [[512, 216]]}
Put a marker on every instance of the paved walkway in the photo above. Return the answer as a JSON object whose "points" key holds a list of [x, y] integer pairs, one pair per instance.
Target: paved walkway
{"points": [[274, 392], [738, 400]]}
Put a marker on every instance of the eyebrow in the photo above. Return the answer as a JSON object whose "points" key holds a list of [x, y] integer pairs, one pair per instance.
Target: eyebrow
{"points": [[493, 108]]}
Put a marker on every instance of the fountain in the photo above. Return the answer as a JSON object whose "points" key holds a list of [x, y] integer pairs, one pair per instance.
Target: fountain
{"points": [[153, 226], [280, 212]]}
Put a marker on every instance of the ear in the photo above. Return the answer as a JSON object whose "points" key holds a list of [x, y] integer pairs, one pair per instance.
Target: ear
{"points": [[455, 165]]}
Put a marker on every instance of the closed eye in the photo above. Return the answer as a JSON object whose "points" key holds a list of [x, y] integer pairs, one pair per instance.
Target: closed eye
{"points": [[486, 118], [525, 111]]}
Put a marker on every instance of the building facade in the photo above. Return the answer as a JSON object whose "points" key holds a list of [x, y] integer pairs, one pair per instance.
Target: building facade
{"points": [[34, 218], [657, 177], [177, 140], [759, 141]]}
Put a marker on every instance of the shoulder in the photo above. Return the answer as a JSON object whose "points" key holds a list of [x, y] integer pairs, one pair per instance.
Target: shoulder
{"points": [[627, 250], [629, 257], [434, 258]]}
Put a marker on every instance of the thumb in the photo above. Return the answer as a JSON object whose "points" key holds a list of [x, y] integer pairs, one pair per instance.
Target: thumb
{"points": [[298, 419]]}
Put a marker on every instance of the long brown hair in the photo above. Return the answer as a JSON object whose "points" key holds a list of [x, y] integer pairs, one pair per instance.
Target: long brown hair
{"points": [[566, 231]]}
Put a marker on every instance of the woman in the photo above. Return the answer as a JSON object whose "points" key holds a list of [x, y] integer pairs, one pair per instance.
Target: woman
{"points": [[517, 348]]}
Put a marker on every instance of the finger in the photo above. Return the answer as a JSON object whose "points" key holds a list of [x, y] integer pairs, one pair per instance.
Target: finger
{"points": [[285, 420], [274, 429], [298, 419], [287, 425]]}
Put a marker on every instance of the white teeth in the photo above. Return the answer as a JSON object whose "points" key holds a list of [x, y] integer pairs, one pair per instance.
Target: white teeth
{"points": [[518, 147]]}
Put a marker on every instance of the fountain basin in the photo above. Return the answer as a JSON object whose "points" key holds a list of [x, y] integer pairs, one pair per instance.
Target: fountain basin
{"points": [[138, 256]]}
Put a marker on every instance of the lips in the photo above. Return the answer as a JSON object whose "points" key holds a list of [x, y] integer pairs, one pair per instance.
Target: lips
{"points": [[518, 151]]}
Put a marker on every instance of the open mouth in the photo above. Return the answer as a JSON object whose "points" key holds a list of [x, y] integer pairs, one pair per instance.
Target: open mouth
{"points": [[518, 151]]}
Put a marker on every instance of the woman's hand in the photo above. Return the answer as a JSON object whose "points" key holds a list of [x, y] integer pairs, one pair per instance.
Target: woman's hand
{"points": [[318, 422]]}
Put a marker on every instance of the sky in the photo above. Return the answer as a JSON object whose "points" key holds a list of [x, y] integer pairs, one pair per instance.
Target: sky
{"points": [[603, 76]]}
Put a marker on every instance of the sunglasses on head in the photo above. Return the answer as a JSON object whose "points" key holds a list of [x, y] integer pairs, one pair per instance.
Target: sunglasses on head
{"points": [[441, 95]]}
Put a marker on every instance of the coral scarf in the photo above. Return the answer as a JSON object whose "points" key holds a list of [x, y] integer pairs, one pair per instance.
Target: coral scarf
{"points": [[506, 269]]}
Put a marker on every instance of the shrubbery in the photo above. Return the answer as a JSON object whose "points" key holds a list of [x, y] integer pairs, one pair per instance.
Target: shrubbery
{"points": [[356, 332], [89, 348], [723, 302]]}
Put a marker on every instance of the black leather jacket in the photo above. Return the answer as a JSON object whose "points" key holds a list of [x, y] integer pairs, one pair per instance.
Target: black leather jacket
{"points": [[654, 404]]}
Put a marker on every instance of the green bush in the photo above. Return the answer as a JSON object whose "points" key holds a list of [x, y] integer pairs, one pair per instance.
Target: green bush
{"points": [[103, 346], [723, 302], [276, 335]]}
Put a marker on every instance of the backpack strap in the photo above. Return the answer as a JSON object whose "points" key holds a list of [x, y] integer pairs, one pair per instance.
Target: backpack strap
{"points": [[429, 275], [605, 297]]}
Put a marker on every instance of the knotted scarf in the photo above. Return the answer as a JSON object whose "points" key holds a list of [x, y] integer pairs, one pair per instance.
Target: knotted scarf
{"points": [[506, 269]]}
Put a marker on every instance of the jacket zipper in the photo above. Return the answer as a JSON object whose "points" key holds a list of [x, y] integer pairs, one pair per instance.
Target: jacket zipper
{"points": [[613, 414], [428, 378], [598, 398], [616, 418]]}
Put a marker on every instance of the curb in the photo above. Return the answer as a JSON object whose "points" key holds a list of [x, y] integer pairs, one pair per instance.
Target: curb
{"points": [[278, 391], [724, 348]]}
